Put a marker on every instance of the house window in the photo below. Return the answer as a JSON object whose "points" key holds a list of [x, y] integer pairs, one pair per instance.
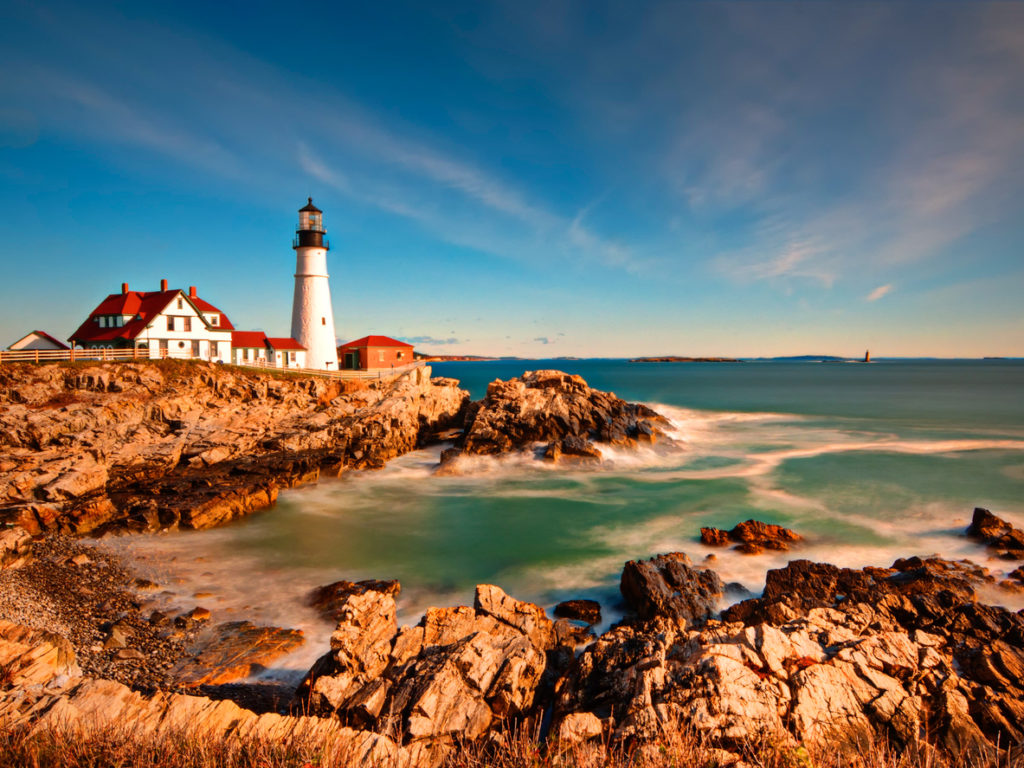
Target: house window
{"points": [[398, 355], [188, 324], [181, 304], [380, 356], [102, 321], [213, 319], [120, 321], [195, 347], [170, 322], [291, 356]]}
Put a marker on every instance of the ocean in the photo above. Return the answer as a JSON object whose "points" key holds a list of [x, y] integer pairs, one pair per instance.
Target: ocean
{"points": [[869, 462]]}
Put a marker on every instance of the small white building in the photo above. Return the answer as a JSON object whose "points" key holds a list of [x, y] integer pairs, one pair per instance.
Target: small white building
{"points": [[164, 323], [38, 340], [285, 353], [248, 347], [256, 348]]}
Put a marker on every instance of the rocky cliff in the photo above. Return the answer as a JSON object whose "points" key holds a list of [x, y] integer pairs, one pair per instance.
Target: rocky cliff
{"points": [[148, 446]]}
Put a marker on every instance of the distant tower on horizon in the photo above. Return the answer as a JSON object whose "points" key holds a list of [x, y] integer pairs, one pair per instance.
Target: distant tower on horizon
{"points": [[312, 316]]}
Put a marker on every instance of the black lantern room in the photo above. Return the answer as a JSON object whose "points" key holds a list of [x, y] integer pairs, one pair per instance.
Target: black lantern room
{"points": [[310, 231]]}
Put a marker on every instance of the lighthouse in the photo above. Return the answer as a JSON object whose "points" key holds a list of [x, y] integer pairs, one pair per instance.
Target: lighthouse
{"points": [[312, 317]]}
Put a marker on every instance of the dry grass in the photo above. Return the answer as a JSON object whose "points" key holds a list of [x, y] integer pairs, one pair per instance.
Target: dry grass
{"points": [[117, 749]]}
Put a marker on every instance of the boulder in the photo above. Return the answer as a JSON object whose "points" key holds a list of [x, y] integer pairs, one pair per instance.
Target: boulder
{"points": [[330, 600], [554, 408], [752, 537], [587, 611], [669, 586], [15, 547], [997, 534], [460, 673]]}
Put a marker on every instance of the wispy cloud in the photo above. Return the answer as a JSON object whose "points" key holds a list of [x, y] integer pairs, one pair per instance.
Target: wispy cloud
{"points": [[879, 292], [543, 340], [429, 340]]}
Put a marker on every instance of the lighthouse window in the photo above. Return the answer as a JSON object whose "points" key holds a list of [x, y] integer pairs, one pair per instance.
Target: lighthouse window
{"points": [[323, 321]]}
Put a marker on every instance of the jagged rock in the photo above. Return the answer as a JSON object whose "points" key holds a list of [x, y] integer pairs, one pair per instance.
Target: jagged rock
{"points": [[458, 674], [578, 727], [668, 585], [588, 611], [330, 600], [555, 408], [33, 656], [997, 533], [234, 650], [15, 547], [752, 537], [153, 445]]}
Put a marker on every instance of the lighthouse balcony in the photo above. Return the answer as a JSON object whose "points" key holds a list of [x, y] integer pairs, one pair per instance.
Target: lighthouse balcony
{"points": [[310, 238]]}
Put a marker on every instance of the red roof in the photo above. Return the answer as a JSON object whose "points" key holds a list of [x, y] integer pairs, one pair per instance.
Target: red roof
{"points": [[46, 336], [282, 343], [248, 339], [204, 306], [143, 306], [375, 341]]}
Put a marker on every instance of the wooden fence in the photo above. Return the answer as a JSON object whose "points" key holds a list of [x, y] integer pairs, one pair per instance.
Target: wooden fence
{"points": [[121, 355]]}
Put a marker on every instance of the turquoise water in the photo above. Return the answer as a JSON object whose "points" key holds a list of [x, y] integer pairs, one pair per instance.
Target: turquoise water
{"points": [[868, 462]]}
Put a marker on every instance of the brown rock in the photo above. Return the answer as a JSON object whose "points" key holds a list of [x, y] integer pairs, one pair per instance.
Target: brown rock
{"points": [[588, 611], [233, 651], [714, 537], [668, 586], [15, 547], [555, 408], [330, 600]]}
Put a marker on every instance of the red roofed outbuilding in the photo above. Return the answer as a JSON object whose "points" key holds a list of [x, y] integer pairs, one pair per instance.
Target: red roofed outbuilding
{"points": [[40, 340], [374, 352]]}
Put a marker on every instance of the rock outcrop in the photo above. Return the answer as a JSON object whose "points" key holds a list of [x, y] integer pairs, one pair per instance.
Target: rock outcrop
{"points": [[669, 586], [460, 673], [827, 653], [998, 534], [42, 690], [557, 411], [752, 537], [157, 445]]}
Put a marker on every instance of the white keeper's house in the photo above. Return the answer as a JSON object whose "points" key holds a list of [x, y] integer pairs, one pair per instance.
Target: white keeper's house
{"points": [[173, 323], [164, 323]]}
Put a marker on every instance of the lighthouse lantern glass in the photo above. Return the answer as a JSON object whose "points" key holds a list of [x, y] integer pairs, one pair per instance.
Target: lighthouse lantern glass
{"points": [[310, 221]]}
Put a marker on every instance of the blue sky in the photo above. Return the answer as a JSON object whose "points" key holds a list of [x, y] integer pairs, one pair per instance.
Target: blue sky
{"points": [[535, 179]]}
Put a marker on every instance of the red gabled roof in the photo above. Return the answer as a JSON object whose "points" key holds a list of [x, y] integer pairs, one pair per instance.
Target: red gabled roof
{"points": [[375, 341], [143, 306], [282, 343], [204, 306], [248, 339]]}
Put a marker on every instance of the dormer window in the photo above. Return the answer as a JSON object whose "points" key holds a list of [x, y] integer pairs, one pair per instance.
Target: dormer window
{"points": [[213, 319], [102, 320]]}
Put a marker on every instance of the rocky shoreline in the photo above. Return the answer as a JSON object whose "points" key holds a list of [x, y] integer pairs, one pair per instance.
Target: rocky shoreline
{"points": [[904, 654]]}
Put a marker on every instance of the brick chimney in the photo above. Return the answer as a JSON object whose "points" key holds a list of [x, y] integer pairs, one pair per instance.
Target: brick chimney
{"points": [[192, 292], [163, 284], [124, 288]]}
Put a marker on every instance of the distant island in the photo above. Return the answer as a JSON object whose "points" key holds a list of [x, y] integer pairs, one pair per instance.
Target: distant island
{"points": [[675, 359]]}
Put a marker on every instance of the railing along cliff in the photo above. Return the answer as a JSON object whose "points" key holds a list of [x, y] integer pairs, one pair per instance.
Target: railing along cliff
{"points": [[121, 355]]}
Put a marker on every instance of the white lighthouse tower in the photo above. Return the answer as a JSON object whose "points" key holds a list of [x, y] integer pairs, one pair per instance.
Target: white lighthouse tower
{"points": [[312, 317]]}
